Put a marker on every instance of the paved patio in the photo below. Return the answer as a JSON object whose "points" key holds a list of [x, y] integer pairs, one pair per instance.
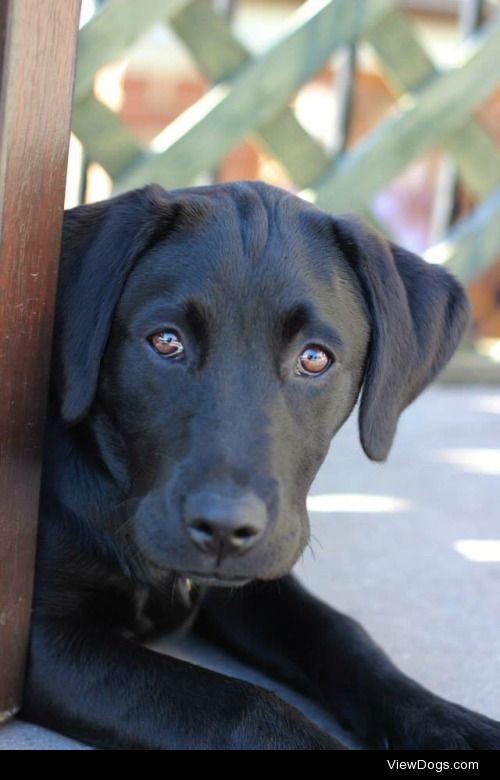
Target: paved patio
{"points": [[411, 548]]}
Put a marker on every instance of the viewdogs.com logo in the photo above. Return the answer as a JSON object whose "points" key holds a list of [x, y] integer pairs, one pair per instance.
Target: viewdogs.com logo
{"points": [[436, 766]]}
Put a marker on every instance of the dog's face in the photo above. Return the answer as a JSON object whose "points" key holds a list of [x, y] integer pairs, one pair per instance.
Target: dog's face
{"points": [[225, 335], [236, 352]]}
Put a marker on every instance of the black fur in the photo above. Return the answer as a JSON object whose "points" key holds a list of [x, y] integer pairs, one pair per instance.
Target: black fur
{"points": [[145, 453]]}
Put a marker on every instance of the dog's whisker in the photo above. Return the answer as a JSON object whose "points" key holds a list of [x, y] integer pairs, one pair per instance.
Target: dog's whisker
{"points": [[311, 549], [316, 540]]}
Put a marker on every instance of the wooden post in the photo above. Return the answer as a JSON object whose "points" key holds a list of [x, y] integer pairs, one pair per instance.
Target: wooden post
{"points": [[37, 58]]}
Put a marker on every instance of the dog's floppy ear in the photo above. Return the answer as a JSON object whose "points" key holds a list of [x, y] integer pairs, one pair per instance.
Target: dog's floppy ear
{"points": [[417, 312], [100, 244]]}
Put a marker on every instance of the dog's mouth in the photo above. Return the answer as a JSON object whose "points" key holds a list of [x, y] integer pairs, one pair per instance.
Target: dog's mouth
{"points": [[202, 579], [213, 579]]}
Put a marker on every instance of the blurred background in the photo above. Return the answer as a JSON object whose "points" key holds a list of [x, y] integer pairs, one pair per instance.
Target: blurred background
{"points": [[390, 109]]}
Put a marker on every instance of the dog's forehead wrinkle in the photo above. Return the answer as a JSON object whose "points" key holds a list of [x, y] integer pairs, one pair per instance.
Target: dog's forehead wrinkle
{"points": [[254, 255], [269, 221], [251, 215]]}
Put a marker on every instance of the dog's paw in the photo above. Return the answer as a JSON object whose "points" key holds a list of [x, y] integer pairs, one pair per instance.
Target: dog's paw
{"points": [[435, 724]]}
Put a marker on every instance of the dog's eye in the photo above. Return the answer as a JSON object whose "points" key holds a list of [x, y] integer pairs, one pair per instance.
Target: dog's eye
{"points": [[314, 360], [167, 343]]}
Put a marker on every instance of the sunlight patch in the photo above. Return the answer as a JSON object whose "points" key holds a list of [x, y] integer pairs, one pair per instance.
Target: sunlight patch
{"points": [[477, 461], [355, 502], [489, 403], [482, 550]]}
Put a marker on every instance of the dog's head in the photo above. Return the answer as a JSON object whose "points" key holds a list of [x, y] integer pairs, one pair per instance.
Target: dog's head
{"points": [[213, 340]]}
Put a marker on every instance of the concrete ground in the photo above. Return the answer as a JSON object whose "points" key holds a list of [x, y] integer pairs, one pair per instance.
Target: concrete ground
{"points": [[411, 548]]}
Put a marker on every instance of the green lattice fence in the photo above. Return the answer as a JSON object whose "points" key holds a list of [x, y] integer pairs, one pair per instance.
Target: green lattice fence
{"points": [[251, 96]]}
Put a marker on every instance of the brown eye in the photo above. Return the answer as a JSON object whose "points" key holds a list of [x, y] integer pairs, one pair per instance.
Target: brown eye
{"points": [[313, 361], [167, 343]]}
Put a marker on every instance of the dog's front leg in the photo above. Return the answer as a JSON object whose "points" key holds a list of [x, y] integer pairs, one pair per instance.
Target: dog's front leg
{"points": [[296, 638], [89, 682]]}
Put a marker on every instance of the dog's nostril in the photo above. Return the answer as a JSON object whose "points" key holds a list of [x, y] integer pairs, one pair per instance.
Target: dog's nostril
{"points": [[203, 528], [247, 532], [202, 534]]}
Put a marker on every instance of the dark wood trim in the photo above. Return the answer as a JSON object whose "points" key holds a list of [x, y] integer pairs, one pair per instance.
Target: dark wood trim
{"points": [[37, 51]]}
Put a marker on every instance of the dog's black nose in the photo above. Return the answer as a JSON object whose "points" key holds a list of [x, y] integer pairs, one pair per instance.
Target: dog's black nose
{"points": [[224, 525]]}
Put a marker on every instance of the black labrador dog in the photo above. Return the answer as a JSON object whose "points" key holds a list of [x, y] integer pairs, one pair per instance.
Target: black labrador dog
{"points": [[209, 342]]}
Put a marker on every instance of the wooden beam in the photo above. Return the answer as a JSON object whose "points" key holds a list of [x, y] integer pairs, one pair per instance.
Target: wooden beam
{"points": [[106, 139], [476, 156], [37, 56], [405, 61]]}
